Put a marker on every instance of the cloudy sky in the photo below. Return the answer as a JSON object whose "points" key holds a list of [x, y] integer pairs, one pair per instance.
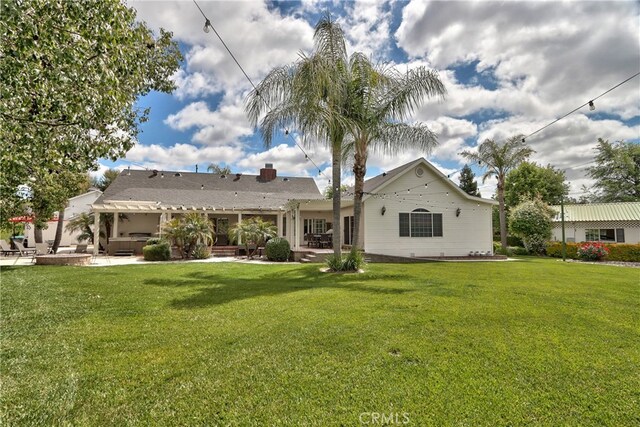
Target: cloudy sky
{"points": [[508, 67]]}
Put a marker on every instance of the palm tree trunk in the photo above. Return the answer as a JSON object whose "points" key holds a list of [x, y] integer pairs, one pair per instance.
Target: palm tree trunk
{"points": [[503, 216], [59, 227], [335, 179], [359, 171]]}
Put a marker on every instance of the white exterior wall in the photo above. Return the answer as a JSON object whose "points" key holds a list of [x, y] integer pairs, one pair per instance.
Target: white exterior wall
{"points": [[576, 231], [471, 231], [77, 205]]}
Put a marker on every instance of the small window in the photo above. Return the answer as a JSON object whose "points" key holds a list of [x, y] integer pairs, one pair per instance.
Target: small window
{"points": [[620, 235], [600, 235]]}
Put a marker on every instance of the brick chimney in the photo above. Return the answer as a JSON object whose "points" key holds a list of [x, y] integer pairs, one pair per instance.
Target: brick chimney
{"points": [[268, 173]]}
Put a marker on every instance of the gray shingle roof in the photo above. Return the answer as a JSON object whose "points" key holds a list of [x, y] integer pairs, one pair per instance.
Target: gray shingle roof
{"points": [[173, 189]]}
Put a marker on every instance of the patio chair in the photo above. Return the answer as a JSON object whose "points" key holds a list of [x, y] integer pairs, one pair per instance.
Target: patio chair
{"points": [[23, 251], [5, 248], [41, 249], [81, 249], [325, 240]]}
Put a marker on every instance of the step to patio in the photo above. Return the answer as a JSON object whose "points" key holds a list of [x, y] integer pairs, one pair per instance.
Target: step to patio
{"points": [[124, 252], [227, 253]]}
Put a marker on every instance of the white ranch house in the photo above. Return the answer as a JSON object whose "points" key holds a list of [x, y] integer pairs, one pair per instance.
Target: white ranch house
{"points": [[411, 211]]}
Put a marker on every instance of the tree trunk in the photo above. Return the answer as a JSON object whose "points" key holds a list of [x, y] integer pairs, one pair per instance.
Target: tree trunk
{"points": [[335, 182], [503, 216], [59, 227], [359, 171], [37, 234]]}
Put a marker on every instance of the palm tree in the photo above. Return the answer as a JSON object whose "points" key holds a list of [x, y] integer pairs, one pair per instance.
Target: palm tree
{"points": [[498, 160], [253, 232], [216, 168], [189, 231], [311, 94], [380, 98], [82, 223]]}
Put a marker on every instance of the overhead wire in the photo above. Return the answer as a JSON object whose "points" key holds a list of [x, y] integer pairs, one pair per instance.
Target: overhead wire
{"points": [[590, 103], [287, 132]]}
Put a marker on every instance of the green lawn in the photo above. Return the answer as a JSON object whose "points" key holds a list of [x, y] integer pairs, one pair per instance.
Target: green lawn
{"points": [[532, 342]]}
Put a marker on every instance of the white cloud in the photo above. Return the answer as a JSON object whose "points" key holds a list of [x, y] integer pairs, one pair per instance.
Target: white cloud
{"points": [[182, 156], [367, 27], [560, 54], [259, 37], [225, 126]]}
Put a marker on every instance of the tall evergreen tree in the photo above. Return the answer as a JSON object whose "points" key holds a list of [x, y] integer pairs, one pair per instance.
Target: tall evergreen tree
{"points": [[617, 172], [467, 182]]}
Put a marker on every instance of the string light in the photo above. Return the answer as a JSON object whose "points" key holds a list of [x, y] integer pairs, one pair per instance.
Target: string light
{"points": [[208, 25], [589, 103]]}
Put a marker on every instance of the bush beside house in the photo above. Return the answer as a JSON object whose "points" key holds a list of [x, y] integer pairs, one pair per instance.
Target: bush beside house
{"points": [[278, 249], [617, 251], [156, 250]]}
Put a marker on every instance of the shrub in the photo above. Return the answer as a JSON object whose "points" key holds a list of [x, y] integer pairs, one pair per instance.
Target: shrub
{"points": [[157, 252], [334, 262], [531, 220], [508, 251], [352, 262], [278, 249], [554, 249], [201, 251], [520, 251], [624, 252], [617, 251], [592, 251], [514, 241], [155, 240]]}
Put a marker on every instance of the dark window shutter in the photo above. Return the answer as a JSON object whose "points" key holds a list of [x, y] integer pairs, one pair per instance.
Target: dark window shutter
{"points": [[404, 225], [437, 225], [620, 235]]}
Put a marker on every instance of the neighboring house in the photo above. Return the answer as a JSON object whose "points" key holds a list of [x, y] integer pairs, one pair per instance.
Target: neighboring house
{"points": [[413, 210], [76, 206], [603, 222]]}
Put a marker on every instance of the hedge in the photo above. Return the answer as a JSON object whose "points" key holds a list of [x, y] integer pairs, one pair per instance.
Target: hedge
{"points": [[278, 249], [617, 251], [159, 252]]}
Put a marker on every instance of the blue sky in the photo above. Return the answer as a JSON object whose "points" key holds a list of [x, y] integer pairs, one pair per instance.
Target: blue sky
{"points": [[509, 68]]}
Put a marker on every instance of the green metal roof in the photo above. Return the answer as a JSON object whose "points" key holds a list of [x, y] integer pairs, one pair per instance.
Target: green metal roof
{"points": [[622, 211]]}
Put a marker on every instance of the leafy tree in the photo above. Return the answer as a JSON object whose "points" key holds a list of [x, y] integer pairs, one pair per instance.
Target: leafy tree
{"points": [[253, 232], [617, 172], [467, 182], [189, 232], [311, 94], [328, 191], [71, 74], [530, 180], [379, 99], [221, 170], [531, 221], [498, 159], [103, 182]]}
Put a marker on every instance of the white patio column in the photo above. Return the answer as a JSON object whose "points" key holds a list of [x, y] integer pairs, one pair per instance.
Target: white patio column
{"points": [[114, 232], [96, 232], [297, 228], [239, 221], [279, 225]]}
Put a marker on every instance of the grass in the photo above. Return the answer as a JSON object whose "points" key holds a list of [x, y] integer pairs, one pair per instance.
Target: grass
{"points": [[533, 342]]}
